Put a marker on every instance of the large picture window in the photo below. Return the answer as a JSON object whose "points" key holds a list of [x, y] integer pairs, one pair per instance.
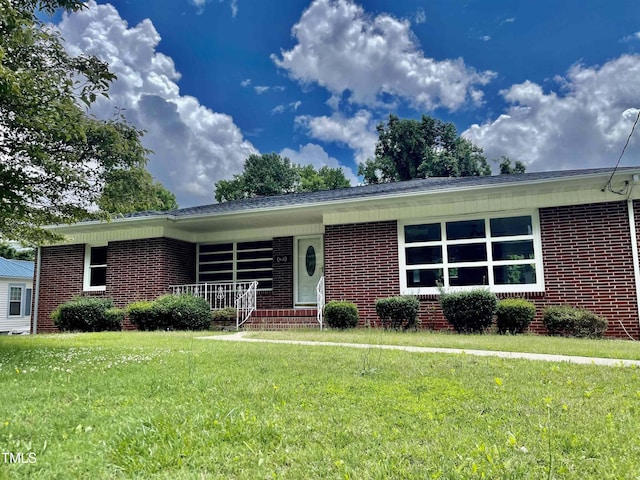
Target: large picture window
{"points": [[237, 262], [501, 252], [95, 268]]}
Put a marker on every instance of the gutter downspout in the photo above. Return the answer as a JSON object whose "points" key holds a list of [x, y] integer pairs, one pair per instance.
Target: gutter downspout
{"points": [[36, 297], [634, 252]]}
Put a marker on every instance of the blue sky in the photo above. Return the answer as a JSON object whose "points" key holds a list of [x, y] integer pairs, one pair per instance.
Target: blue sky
{"points": [[554, 84]]}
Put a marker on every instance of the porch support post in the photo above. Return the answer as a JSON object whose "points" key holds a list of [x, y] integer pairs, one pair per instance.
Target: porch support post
{"points": [[634, 252]]}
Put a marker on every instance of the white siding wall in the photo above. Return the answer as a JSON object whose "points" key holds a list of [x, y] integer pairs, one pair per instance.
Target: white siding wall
{"points": [[8, 323]]}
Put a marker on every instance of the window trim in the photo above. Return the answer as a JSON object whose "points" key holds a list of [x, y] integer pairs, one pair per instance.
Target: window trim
{"points": [[235, 261], [87, 287], [22, 287], [487, 241]]}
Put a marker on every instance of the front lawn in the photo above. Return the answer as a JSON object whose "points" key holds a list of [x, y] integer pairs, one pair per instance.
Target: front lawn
{"points": [[166, 405]]}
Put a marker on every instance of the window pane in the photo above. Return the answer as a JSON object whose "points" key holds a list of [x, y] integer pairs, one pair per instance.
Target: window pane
{"points": [[504, 227], [216, 257], [15, 294], [424, 255], [424, 278], [218, 247], [517, 250], [514, 274], [14, 308], [216, 267], [422, 233], [255, 245], [466, 229], [474, 252], [465, 276], [98, 277], [216, 277], [251, 265], [98, 255], [255, 254], [254, 275]]}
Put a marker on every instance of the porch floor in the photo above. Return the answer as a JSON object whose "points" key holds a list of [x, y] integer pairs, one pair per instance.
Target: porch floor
{"points": [[282, 319]]}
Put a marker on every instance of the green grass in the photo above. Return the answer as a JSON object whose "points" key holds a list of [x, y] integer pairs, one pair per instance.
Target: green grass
{"points": [[165, 405], [605, 348]]}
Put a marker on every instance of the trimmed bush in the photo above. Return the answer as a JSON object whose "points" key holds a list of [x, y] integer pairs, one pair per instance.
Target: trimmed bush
{"points": [[469, 311], [398, 312], [86, 314], [224, 317], [113, 318], [573, 322], [181, 312], [341, 314], [514, 315], [141, 315]]}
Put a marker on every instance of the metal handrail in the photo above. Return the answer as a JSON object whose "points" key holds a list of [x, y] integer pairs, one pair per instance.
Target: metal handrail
{"points": [[246, 304], [320, 301]]}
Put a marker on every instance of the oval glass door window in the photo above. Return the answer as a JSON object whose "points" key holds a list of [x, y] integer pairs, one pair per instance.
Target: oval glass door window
{"points": [[310, 261]]}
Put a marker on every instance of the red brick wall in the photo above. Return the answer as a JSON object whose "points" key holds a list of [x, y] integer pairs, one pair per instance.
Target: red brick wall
{"points": [[586, 257], [136, 270], [361, 265], [282, 294]]}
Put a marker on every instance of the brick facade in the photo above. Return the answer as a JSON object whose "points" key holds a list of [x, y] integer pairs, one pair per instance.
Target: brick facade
{"points": [[136, 270], [361, 265], [586, 253], [282, 294]]}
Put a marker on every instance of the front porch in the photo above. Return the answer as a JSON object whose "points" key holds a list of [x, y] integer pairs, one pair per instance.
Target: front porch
{"points": [[243, 297]]}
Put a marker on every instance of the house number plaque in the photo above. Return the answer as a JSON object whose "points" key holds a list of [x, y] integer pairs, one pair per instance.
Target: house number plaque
{"points": [[282, 259]]}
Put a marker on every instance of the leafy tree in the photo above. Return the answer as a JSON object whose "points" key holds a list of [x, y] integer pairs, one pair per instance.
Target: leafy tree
{"points": [[54, 156], [270, 174], [429, 147], [133, 190], [506, 168], [7, 251]]}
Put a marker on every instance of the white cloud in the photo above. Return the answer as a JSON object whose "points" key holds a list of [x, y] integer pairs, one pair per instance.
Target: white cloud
{"points": [[234, 8], [313, 154], [194, 146], [293, 106], [508, 20], [278, 109], [632, 37], [260, 89], [420, 17], [246, 82], [485, 38], [343, 49], [584, 124], [357, 132]]}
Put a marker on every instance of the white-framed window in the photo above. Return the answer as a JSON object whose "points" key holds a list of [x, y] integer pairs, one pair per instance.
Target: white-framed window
{"points": [[16, 300], [234, 262], [95, 268], [502, 252]]}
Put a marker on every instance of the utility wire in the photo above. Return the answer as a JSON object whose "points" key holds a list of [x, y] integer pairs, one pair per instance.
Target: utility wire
{"points": [[608, 184]]}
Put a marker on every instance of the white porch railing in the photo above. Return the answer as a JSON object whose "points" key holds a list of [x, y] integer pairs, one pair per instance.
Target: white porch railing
{"points": [[320, 301], [241, 296]]}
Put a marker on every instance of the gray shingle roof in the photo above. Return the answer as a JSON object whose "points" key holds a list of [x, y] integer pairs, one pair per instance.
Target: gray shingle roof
{"points": [[377, 190], [16, 268]]}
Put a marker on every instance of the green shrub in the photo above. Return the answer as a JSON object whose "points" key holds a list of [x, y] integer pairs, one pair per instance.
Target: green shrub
{"points": [[514, 315], [469, 311], [224, 317], [113, 318], [181, 312], [341, 314], [86, 314], [573, 322], [398, 312], [141, 315]]}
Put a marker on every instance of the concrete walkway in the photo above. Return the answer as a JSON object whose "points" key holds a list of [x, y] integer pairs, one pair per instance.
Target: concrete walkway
{"points": [[611, 362]]}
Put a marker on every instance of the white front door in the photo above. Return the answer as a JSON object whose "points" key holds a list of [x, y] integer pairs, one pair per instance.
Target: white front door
{"points": [[309, 268]]}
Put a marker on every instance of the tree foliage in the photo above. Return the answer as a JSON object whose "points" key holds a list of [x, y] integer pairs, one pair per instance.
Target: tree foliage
{"points": [[428, 147], [7, 251], [271, 174], [507, 168], [134, 190], [54, 157]]}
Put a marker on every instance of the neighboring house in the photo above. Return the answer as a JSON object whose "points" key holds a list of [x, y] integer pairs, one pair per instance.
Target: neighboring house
{"points": [[16, 286], [567, 237]]}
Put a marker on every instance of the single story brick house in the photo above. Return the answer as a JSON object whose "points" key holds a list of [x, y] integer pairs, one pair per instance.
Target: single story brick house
{"points": [[565, 237]]}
